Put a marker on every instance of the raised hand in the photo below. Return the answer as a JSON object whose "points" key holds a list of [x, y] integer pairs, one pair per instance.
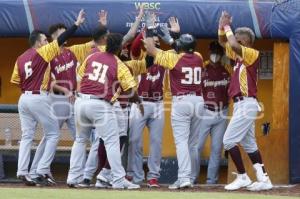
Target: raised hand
{"points": [[102, 15], [150, 18], [174, 25], [164, 34], [225, 19], [141, 13], [81, 18]]}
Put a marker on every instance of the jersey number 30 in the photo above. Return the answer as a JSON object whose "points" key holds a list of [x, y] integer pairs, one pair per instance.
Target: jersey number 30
{"points": [[99, 72], [192, 75]]}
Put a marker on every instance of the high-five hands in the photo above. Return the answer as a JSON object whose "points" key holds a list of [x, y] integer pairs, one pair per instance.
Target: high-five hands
{"points": [[80, 18], [102, 15]]}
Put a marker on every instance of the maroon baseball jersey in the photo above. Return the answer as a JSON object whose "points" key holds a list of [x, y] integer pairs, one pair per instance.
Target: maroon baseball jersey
{"points": [[151, 84], [215, 85], [63, 69], [32, 71], [244, 78], [97, 49], [101, 74], [185, 71]]}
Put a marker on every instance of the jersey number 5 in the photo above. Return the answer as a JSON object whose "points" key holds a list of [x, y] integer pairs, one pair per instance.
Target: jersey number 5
{"points": [[28, 69], [99, 72], [192, 75]]}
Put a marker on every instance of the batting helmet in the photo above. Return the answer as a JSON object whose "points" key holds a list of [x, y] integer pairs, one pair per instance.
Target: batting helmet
{"points": [[186, 43]]}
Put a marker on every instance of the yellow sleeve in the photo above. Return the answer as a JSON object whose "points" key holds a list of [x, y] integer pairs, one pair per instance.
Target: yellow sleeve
{"points": [[249, 55], [81, 50], [15, 77], [116, 95], [49, 51], [125, 78], [229, 68], [206, 63], [166, 59], [229, 52], [137, 66], [81, 69]]}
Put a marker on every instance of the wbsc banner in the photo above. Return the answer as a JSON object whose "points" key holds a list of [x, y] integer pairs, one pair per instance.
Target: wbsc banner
{"points": [[200, 18]]}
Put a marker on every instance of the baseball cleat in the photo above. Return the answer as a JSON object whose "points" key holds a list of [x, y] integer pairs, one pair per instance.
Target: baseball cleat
{"points": [[85, 183], [153, 183], [40, 181], [125, 184], [263, 182], [241, 181], [100, 184], [71, 185], [105, 176], [260, 186], [180, 185], [50, 180], [26, 180]]}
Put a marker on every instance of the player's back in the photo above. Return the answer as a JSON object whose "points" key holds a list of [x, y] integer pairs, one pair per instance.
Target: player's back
{"points": [[185, 77], [100, 77], [31, 68]]}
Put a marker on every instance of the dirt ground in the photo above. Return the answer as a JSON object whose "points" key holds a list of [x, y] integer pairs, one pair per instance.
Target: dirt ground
{"points": [[284, 190]]}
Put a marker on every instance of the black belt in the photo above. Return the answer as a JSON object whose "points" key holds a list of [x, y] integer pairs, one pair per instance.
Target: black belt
{"points": [[61, 93], [215, 108], [240, 98]]}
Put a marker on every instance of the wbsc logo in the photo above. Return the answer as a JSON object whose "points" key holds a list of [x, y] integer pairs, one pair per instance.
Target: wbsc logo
{"points": [[152, 6], [147, 5]]}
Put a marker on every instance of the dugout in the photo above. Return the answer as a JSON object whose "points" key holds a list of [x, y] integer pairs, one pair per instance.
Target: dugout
{"points": [[276, 24]]}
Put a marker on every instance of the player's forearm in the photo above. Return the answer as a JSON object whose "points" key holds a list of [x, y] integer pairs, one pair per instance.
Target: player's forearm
{"points": [[132, 31], [66, 35], [56, 88], [236, 47], [150, 47], [136, 45], [149, 43], [222, 37]]}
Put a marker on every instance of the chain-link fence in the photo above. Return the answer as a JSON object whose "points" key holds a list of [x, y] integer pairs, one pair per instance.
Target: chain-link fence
{"points": [[10, 136], [10, 130]]}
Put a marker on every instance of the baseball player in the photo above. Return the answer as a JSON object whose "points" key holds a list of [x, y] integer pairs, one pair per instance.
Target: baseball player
{"points": [[120, 108], [63, 74], [32, 74], [91, 164], [150, 90], [187, 104], [215, 83], [100, 75], [243, 91]]}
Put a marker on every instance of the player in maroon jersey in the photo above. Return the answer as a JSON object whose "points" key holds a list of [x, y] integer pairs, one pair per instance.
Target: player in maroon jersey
{"points": [[32, 74], [185, 67], [215, 83], [243, 91], [100, 74]]}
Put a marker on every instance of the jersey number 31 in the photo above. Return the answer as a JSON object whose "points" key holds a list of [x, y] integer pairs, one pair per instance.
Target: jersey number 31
{"points": [[192, 75], [99, 72]]}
